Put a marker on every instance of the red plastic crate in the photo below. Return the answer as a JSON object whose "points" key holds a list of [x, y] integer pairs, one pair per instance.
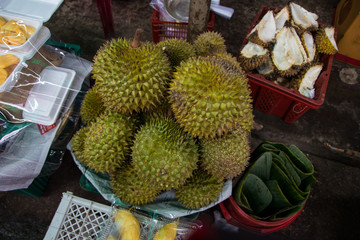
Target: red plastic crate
{"points": [[237, 217], [163, 30], [286, 103]]}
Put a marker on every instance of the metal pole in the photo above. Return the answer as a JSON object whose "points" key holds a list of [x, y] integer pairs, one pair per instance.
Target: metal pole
{"points": [[198, 18]]}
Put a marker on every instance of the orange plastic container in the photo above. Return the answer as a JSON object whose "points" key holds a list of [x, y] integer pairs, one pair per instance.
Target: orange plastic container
{"points": [[234, 215], [286, 103], [163, 30]]}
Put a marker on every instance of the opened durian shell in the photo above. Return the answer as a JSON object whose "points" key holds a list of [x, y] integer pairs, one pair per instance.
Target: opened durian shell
{"points": [[308, 42], [302, 19], [264, 32], [281, 17], [325, 40], [305, 81], [288, 53], [252, 56]]}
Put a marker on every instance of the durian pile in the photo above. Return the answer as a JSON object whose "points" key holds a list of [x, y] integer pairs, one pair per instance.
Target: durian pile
{"points": [[167, 116], [286, 47]]}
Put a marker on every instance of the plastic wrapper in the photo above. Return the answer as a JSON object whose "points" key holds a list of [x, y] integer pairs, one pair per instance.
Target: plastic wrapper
{"points": [[148, 225], [35, 137]]}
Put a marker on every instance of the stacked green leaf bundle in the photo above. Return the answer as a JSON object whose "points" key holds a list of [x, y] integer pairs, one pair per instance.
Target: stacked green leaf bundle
{"points": [[277, 183]]}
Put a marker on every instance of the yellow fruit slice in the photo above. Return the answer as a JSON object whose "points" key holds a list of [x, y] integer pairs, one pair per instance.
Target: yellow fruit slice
{"points": [[167, 232], [7, 60]]}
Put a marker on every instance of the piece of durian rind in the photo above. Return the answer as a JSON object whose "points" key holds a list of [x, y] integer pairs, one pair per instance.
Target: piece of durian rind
{"points": [[325, 40]]}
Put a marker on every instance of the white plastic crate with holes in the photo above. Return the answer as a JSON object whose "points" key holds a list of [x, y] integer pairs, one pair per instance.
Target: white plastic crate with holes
{"points": [[78, 218]]}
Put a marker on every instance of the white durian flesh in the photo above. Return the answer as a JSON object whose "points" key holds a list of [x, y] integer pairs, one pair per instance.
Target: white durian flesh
{"points": [[288, 51], [281, 17], [309, 45], [302, 17], [308, 80], [264, 32]]}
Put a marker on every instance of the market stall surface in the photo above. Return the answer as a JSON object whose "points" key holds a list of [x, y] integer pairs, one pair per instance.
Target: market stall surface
{"points": [[330, 135]]}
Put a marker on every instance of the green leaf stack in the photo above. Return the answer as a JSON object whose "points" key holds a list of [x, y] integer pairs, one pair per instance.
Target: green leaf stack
{"points": [[277, 183]]}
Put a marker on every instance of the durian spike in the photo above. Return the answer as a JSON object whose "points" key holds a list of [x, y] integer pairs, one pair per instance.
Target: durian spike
{"points": [[136, 41]]}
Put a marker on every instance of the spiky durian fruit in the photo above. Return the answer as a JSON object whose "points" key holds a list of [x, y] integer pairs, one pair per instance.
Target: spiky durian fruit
{"points": [[177, 50], [226, 157], [77, 143], [305, 81], [107, 142], [129, 185], [209, 44], [200, 190], [164, 154], [325, 40], [288, 54], [307, 40], [302, 19], [131, 79], [92, 106], [264, 32], [281, 17], [252, 56], [210, 95]]}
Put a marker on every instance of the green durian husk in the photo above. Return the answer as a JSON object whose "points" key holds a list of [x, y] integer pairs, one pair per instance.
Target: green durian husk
{"points": [[177, 50], [323, 44], [226, 157], [210, 96], [209, 44], [77, 143], [200, 190], [129, 185], [107, 142], [92, 106], [164, 154], [131, 79]]}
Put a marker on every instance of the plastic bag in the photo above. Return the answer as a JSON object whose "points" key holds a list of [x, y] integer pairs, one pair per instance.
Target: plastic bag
{"points": [[148, 226]]}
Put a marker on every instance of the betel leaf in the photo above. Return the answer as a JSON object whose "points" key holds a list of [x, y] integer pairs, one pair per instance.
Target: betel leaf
{"points": [[257, 193], [279, 200]]}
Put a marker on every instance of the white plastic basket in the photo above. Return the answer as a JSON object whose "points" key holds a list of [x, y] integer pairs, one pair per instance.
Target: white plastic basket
{"points": [[77, 218]]}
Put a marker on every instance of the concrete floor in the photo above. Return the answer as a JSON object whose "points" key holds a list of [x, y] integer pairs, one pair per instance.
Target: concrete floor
{"points": [[332, 211]]}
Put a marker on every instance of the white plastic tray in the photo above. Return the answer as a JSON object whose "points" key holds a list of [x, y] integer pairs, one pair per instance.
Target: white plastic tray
{"points": [[46, 98]]}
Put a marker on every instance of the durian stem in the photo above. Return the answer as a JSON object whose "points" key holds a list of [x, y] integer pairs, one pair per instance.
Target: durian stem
{"points": [[136, 41]]}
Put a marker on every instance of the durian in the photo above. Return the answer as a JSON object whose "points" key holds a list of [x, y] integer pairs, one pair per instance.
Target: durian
{"points": [[305, 82], [107, 142], [77, 143], [302, 19], [129, 185], [131, 79], [92, 106], [209, 44], [200, 190], [309, 46], [177, 50], [288, 54], [325, 40], [210, 95], [267, 69], [264, 32], [226, 157], [252, 56], [281, 17], [164, 154]]}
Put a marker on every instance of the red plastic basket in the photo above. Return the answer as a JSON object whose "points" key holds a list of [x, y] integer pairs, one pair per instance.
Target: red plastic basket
{"points": [[163, 30], [234, 215], [286, 103]]}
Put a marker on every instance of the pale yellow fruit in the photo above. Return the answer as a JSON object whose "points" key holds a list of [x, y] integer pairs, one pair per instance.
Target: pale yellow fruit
{"points": [[127, 225], [167, 232]]}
